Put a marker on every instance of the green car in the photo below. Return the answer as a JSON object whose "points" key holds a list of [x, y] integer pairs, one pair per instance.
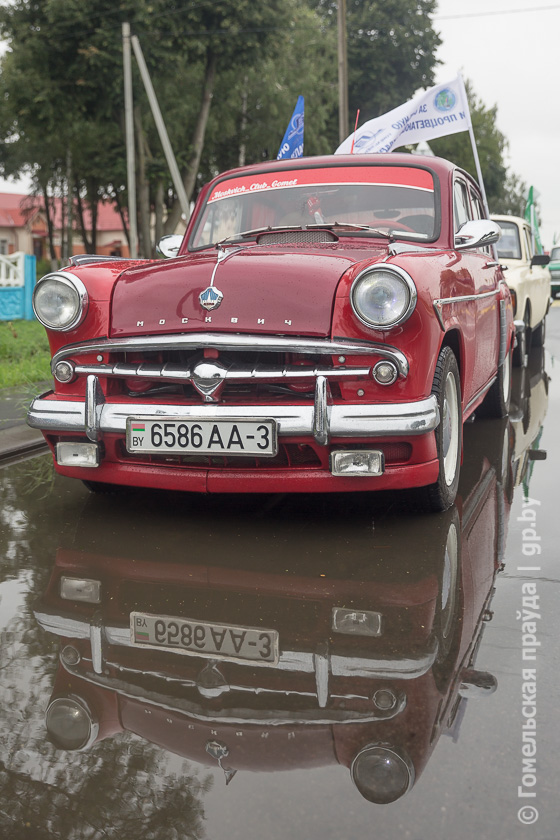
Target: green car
{"points": [[554, 267]]}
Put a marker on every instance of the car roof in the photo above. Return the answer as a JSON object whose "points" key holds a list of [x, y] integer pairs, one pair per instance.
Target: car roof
{"points": [[441, 166], [517, 219]]}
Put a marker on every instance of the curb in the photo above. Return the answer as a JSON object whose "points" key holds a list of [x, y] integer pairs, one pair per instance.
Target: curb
{"points": [[19, 443]]}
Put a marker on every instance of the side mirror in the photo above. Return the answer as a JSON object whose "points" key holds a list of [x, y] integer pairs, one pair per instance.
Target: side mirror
{"points": [[476, 234], [168, 246], [540, 259]]}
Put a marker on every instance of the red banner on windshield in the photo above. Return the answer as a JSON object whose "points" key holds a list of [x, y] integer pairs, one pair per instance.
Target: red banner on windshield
{"points": [[394, 176]]}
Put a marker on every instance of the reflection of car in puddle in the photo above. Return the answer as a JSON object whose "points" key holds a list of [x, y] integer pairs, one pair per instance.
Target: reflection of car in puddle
{"points": [[307, 639], [529, 403]]}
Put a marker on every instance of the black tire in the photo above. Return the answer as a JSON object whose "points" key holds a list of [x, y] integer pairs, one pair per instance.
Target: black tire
{"points": [[496, 403], [440, 496], [539, 334]]}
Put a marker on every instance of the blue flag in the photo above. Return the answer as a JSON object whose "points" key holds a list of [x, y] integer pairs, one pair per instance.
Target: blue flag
{"points": [[292, 144]]}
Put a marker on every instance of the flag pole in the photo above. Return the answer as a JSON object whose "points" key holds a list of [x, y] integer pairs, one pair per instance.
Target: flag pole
{"points": [[355, 129], [474, 149]]}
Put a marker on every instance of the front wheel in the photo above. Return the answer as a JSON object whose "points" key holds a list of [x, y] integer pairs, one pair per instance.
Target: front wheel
{"points": [[449, 433]]}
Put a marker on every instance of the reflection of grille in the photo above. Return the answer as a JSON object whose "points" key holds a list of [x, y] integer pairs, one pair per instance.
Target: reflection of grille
{"points": [[296, 237]]}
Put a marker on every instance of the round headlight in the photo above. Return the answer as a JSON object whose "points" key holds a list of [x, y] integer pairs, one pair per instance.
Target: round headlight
{"points": [[383, 297], [382, 774], [70, 724], [60, 301]]}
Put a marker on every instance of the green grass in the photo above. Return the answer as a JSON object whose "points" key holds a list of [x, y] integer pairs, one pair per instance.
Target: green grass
{"points": [[24, 353]]}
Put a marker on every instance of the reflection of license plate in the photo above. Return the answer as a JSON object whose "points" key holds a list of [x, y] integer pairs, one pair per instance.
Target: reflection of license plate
{"points": [[220, 641], [207, 437]]}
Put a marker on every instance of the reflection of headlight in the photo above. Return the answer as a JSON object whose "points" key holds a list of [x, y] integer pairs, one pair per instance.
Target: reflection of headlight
{"points": [[70, 724], [382, 774], [383, 297], [60, 301]]}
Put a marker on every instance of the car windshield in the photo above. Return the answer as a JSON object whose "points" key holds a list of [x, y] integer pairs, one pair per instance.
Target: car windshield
{"points": [[399, 200], [509, 244]]}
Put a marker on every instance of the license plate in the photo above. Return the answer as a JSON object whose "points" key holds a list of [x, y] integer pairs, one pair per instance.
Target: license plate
{"points": [[218, 641], [207, 437]]}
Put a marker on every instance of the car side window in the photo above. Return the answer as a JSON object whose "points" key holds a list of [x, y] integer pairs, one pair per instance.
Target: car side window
{"points": [[461, 205], [478, 210]]}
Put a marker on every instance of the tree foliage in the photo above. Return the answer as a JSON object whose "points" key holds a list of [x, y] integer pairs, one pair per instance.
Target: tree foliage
{"points": [[227, 74]]}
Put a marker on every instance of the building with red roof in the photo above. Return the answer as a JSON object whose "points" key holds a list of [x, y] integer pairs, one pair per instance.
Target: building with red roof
{"points": [[23, 227]]}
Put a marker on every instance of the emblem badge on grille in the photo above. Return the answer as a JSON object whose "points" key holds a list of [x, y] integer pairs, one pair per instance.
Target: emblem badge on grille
{"points": [[210, 298]]}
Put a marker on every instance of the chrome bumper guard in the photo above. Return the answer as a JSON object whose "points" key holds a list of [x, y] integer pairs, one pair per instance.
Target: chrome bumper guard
{"points": [[96, 417], [322, 663]]}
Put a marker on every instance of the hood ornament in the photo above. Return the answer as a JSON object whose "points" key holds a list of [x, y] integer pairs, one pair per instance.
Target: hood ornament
{"points": [[210, 298], [219, 751]]}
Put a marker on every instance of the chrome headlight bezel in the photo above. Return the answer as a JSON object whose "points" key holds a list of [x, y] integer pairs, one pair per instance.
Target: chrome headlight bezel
{"points": [[77, 741], [70, 281], [403, 279], [389, 785]]}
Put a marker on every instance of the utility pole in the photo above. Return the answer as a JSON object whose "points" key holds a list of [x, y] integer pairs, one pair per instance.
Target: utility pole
{"points": [[129, 130], [162, 131], [342, 73]]}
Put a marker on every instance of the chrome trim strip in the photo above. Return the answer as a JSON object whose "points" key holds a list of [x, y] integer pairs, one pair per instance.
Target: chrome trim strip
{"points": [[349, 421], [235, 373], [440, 302], [405, 668], [233, 342]]}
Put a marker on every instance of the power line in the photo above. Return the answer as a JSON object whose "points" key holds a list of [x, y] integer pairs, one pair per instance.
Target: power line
{"points": [[502, 12]]}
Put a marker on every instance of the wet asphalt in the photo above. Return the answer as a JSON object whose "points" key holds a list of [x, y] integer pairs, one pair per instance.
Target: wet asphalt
{"points": [[414, 658]]}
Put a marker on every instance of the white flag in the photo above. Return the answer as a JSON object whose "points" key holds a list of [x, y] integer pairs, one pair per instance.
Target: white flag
{"points": [[443, 109]]}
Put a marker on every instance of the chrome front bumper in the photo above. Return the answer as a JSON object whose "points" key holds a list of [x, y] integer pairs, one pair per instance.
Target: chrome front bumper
{"points": [[96, 417]]}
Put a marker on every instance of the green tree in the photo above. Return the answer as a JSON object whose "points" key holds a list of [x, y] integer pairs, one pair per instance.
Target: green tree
{"points": [[391, 53], [299, 62], [61, 98]]}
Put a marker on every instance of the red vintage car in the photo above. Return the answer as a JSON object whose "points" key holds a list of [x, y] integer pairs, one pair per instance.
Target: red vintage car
{"points": [[325, 324]]}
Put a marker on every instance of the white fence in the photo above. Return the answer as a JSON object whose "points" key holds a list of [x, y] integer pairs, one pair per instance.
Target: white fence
{"points": [[12, 270]]}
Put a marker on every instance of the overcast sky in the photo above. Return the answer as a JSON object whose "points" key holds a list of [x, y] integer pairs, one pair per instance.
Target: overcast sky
{"points": [[510, 51]]}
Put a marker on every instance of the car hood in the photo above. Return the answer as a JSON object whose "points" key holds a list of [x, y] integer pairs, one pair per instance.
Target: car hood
{"points": [[289, 291]]}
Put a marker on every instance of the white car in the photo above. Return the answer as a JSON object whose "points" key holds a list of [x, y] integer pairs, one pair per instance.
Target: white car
{"points": [[528, 278]]}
